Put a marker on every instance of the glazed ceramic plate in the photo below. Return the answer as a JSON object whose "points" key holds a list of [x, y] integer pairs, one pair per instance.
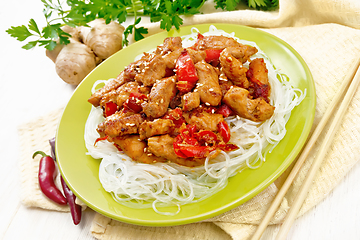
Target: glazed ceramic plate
{"points": [[81, 171]]}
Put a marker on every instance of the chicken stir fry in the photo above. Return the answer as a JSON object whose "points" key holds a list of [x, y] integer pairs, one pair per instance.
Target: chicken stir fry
{"points": [[170, 105]]}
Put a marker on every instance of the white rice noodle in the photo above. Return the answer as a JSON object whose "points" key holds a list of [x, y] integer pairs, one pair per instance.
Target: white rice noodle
{"points": [[141, 185]]}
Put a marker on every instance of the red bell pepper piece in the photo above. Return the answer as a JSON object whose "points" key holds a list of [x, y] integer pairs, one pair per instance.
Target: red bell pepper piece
{"points": [[212, 56], [185, 72], [225, 110], [134, 101], [110, 108], [224, 131]]}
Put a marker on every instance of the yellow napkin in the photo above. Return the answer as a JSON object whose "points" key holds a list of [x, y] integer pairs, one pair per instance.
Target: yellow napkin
{"points": [[328, 49]]}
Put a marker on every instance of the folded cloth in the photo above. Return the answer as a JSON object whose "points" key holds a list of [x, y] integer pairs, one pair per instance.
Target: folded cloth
{"points": [[35, 136], [328, 49], [291, 13]]}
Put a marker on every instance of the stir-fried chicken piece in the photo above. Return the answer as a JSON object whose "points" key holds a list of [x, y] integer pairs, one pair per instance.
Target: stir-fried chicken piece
{"points": [[259, 80], [190, 101], [258, 71], [117, 125], [215, 42], [136, 149], [162, 146], [170, 44], [150, 71], [136, 67], [157, 127], [208, 84], [123, 92], [204, 120], [225, 83], [171, 58], [160, 96], [254, 109], [233, 69], [109, 86], [242, 53], [109, 97], [196, 55]]}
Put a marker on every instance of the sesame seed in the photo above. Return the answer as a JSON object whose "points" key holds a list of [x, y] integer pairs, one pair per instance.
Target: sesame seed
{"points": [[207, 104], [211, 89]]}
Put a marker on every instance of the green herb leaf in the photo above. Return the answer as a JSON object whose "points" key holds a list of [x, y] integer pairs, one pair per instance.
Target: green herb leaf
{"points": [[33, 26], [80, 12], [30, 45], [21, 33], [139, 33], [265, 5]]}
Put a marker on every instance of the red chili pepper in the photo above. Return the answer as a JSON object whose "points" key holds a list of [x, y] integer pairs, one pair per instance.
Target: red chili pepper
{"points": [[134, 101], [110, 108], [190, 143], [207, 137], [46, 179], [185, 72], [224, 131], [176, 116], [188, 131], [75, 209], [225, 110], [100, 139], [178, 140], [212, 55], [52, 144], [196, 151], [227, 147]]}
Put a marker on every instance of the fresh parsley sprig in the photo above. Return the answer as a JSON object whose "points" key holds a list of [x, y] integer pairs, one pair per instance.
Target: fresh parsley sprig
{"points": [[80, 12]]}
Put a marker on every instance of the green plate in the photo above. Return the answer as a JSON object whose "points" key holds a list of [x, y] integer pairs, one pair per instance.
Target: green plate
{"points": [[81, 171]]}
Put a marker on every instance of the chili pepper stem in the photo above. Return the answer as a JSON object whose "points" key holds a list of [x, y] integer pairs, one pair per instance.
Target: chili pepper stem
{"points": [[39, 152]]}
